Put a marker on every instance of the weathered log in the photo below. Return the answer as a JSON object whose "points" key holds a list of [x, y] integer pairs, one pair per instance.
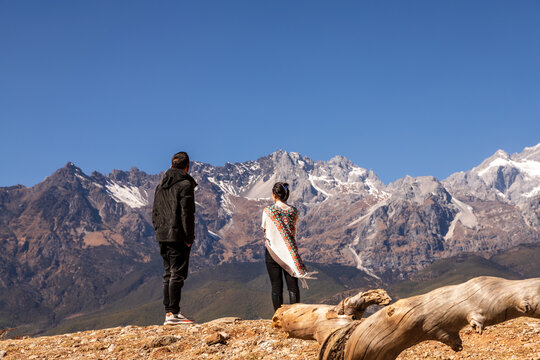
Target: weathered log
{"points": [[437, 315], [316, 322]]}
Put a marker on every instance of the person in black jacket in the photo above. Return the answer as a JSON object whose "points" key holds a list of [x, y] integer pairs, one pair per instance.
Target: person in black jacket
{"points": [[173, 217]]}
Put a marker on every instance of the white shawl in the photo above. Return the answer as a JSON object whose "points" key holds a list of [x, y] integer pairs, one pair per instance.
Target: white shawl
{"points": [[279, 225]]}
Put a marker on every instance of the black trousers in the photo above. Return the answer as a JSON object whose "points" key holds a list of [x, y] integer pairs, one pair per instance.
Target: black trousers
{"points": [[175, 262], [275, 272]]}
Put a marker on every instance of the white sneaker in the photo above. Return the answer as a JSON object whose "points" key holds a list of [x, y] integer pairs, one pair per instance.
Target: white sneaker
{"points": [[176, 319]]}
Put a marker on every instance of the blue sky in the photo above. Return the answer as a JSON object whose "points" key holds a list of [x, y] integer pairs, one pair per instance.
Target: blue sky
{"points": [[400, 87]]}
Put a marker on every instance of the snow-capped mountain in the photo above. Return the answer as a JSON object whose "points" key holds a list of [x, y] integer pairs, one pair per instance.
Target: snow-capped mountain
{"points": [[313, 181], [509, 178], [67, 243], [236, 194]]}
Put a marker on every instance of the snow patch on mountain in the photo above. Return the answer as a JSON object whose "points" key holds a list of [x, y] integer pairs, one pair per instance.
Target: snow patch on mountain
{"points": [[226, 204], [330, 179], [372, 188], [312, 180], [533, 192], [226, 187], [260, 189], [528, 167], [532, 148], [370, 212], [358, 260], [129, 195], [465, 216]]}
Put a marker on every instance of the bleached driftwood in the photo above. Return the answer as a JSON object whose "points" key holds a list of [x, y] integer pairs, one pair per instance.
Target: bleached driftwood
{"points": [[316, 322], [437, 315]]}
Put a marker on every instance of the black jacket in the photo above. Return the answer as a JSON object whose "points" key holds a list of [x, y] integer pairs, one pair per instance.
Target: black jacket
{"points": [[173, 214]]}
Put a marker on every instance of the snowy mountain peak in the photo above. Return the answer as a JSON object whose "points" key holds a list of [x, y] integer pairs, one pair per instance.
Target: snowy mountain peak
{"points": [[532, 148], [311, 181], [72, 168], [502, 162], [513, 178], [501, 154], [531, 153], [341, 160]]}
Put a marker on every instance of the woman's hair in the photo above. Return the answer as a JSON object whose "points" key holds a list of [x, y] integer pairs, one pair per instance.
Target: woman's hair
{"points": [[281, 190]]}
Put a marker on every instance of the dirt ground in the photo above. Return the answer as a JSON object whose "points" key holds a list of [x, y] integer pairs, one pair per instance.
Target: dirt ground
{"points": [[233, 339]]}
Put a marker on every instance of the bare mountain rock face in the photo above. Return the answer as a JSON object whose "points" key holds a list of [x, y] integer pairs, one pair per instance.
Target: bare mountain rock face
{"points": [[407, 230], [67, 240], [76, 242]]}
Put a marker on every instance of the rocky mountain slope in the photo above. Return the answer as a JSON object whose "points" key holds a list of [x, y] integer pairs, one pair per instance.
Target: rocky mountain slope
{"points": [[76, 242], [256, 339]]}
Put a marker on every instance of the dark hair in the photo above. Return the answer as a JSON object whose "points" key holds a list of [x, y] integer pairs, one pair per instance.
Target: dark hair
{"points": [[180, 160], [281, 190]]}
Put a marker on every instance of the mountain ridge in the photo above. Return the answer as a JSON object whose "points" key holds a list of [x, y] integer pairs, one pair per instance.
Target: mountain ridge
{"points": [[68, 242]]}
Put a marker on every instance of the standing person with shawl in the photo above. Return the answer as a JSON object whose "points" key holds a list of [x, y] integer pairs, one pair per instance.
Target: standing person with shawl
{"points": [[281, 256]]}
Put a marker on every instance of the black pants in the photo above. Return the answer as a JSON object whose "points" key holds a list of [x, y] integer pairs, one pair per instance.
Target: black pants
{"points": [[276, 279], [175, 261]]}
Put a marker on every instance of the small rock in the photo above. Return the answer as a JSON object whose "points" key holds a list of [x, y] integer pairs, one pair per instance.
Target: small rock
{"points": [[161, 341], [224, 320], [216, 338], [3, 353], [160, 351]]}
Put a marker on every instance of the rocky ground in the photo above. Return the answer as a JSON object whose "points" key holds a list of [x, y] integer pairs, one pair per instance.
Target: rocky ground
{"points": [[230, 339]]}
